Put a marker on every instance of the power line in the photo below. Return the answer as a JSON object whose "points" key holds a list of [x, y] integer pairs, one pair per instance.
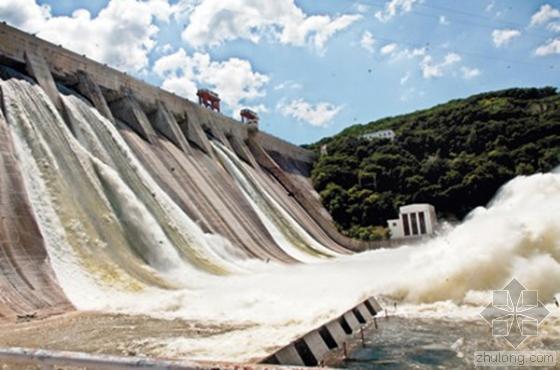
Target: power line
{"points": [[467, 22], [428, 45], [473, 15]]}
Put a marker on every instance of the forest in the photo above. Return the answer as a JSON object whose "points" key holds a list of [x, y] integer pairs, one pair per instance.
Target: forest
{"points": [[455, 156]]}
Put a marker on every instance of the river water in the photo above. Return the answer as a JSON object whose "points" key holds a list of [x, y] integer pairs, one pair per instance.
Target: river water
{"points": [[434, 343]]}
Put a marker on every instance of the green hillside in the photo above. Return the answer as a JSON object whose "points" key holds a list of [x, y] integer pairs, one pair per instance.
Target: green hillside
{"points": [[454, 155]]}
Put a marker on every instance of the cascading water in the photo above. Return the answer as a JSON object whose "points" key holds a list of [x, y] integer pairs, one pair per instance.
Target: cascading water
{"points": [[99, 136], [284, 229], [119, 243]]}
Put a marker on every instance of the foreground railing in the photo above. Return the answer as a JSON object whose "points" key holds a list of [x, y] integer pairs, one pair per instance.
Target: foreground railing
{"points": [[51, 360]]}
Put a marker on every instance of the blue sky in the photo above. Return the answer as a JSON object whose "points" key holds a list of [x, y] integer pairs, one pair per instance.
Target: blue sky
{"points": [[311, 68]]}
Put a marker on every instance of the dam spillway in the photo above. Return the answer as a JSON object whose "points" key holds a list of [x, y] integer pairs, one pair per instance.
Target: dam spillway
{"points": [[113, 190]]}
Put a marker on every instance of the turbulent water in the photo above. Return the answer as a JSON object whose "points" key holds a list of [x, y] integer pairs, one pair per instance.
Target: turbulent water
{"points": [[137, 228]]}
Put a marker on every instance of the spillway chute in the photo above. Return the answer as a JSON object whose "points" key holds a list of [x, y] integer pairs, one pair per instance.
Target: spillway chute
{"points": [[287, 233]]}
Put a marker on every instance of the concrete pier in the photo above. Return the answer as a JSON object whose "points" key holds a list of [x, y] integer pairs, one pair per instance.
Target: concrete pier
{"points": [[316, 345], [212, 127], [288, 355], [165, 123], [128, 110], [242, 150], [88, 88], [39, 70], [363, 310], [374, 304], [190, 126], [336, 332], [352, 321]]}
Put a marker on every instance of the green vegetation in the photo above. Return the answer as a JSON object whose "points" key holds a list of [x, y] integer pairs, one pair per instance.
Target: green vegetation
{"points": [[454, 156]]}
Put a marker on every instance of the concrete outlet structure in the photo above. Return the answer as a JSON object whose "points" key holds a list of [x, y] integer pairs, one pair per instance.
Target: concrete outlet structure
{"points": [[415, 220]]}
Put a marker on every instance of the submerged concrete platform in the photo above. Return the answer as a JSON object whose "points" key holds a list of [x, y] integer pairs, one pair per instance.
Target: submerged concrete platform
{"points": [[337, 335], [325, 345]]}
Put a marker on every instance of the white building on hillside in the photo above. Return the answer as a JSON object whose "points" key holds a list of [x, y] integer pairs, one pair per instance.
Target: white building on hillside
{"points": [[381, 134], [414, 220]]}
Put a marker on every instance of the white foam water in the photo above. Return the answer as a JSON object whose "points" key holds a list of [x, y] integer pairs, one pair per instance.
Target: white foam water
{"points": [[174, 270], [287, 234]]}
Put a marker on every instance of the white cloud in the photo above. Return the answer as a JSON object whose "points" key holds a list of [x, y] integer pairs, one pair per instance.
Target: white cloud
{"points": [[318, 115], [164, 49], [554, 26], [122, 34], [234, 79], [549, 48], [367, 41], [545, 14], [24, 14], [396, 53], [405, 78], [428, 66], [452, 58], [503, 37], [469, 73], [361, 8], [389, 48], [393, 7], [212, 22], [490, 6], [288, 85], [443, 20], [412, 53], [431, 69], [324, 28]]}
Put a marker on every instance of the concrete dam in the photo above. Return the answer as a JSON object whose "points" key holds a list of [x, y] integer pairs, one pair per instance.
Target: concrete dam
{"points": [[117, 196], [141, 230]]}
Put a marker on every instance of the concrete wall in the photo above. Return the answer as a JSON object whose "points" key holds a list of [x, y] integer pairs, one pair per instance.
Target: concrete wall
{"points": [[66, 65]]}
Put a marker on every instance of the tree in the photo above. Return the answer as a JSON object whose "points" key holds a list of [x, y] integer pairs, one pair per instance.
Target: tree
{"points": [[454, 155]]}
